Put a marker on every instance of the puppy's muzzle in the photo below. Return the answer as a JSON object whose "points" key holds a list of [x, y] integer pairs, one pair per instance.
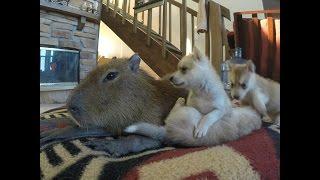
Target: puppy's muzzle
{"points": [[174, 81]]}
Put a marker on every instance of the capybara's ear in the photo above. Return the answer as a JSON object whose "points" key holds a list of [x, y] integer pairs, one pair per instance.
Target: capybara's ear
{"points": [[134, 62], [251, 66], [197, 53]]}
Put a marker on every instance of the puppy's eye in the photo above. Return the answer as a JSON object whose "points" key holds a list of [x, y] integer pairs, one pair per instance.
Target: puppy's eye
{"points": [[184, 69], [243, 85], [232, 85], [110, 76]]}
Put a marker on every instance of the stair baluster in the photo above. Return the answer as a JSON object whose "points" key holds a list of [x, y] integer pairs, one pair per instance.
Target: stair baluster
{"points": [[115, 8], [164, 29], [149, 26], [170, 22], [124, 13]]}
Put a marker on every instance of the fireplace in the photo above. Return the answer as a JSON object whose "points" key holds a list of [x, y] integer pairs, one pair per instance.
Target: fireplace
{"points": [[68, 48], [59, 68]]}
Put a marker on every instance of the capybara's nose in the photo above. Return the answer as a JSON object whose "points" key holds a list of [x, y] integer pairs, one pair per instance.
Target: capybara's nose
{"points": [[73, 105], [236, 97], [74, 109]]}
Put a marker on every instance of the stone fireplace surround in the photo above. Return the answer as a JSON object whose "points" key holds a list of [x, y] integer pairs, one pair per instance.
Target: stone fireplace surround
{"points": [[60, 30]]}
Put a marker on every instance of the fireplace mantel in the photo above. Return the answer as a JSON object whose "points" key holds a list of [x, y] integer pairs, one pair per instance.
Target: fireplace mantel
{"points": [[45, 5]]}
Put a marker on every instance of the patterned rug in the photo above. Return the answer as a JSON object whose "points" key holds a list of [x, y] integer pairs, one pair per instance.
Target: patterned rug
{"points": [[255, 156]]}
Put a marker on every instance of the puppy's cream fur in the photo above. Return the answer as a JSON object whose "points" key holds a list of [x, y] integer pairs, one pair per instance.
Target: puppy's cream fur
{"points": [[261, 93], [206, 94], [207, 118]]}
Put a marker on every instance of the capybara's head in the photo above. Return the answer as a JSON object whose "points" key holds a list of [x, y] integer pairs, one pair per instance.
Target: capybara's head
{"points": [[109, 94]]}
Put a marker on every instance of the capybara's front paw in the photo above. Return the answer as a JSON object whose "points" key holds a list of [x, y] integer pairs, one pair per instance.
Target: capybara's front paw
{"points": [[181, 101]]}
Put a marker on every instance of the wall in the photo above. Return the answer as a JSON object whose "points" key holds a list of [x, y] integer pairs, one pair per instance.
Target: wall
{"points": [[271, 4], [58, 30], [111, 45]]}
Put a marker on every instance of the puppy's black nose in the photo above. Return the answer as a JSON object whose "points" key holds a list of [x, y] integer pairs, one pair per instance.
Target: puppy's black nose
{"points": [[236, 97], [171, 78]]}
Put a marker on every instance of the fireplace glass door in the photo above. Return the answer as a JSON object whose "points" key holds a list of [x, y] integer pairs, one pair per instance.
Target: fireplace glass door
{"points": [[58, 68]]}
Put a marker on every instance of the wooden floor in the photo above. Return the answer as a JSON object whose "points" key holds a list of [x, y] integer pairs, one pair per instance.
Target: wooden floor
{"points": [[152, 55]]}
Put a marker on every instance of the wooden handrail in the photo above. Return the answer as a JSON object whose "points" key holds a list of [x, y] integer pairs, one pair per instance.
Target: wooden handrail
{"points": [[224, 11], [270, 11], [179, 5]]}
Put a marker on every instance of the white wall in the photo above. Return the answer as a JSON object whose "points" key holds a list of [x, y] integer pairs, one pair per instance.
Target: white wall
{"points": [[111, 45]]}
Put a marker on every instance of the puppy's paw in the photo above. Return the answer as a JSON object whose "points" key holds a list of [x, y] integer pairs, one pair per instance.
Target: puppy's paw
{"points": [[267, 119], [236, 103], [200, 130], [181, 101]]}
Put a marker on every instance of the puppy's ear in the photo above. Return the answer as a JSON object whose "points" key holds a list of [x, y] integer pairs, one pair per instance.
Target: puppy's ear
{"points": [[197, 54], [251, 66], [134, 62]]}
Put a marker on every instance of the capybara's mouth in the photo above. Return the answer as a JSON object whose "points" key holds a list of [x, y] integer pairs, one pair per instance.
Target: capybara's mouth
{"points": [[178, 84], [74, 120]]}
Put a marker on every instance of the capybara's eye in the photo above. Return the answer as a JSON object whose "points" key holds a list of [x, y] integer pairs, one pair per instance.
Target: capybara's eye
{"points": [[110, 76], [243, 85]]}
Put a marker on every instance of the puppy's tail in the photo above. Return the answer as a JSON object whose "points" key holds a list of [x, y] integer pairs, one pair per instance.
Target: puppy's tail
{"points": [[147, 129]]}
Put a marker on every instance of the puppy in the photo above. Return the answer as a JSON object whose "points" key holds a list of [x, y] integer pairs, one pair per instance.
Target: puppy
{"points": [[261, 93], [206, 94], [207, 118]]}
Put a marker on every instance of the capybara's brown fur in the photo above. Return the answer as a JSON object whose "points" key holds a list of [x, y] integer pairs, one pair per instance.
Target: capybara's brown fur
{"points": [[118, 94]]}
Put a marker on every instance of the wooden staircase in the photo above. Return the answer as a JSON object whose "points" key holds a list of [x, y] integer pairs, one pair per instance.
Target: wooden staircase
{"points": [[155, 48]]}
